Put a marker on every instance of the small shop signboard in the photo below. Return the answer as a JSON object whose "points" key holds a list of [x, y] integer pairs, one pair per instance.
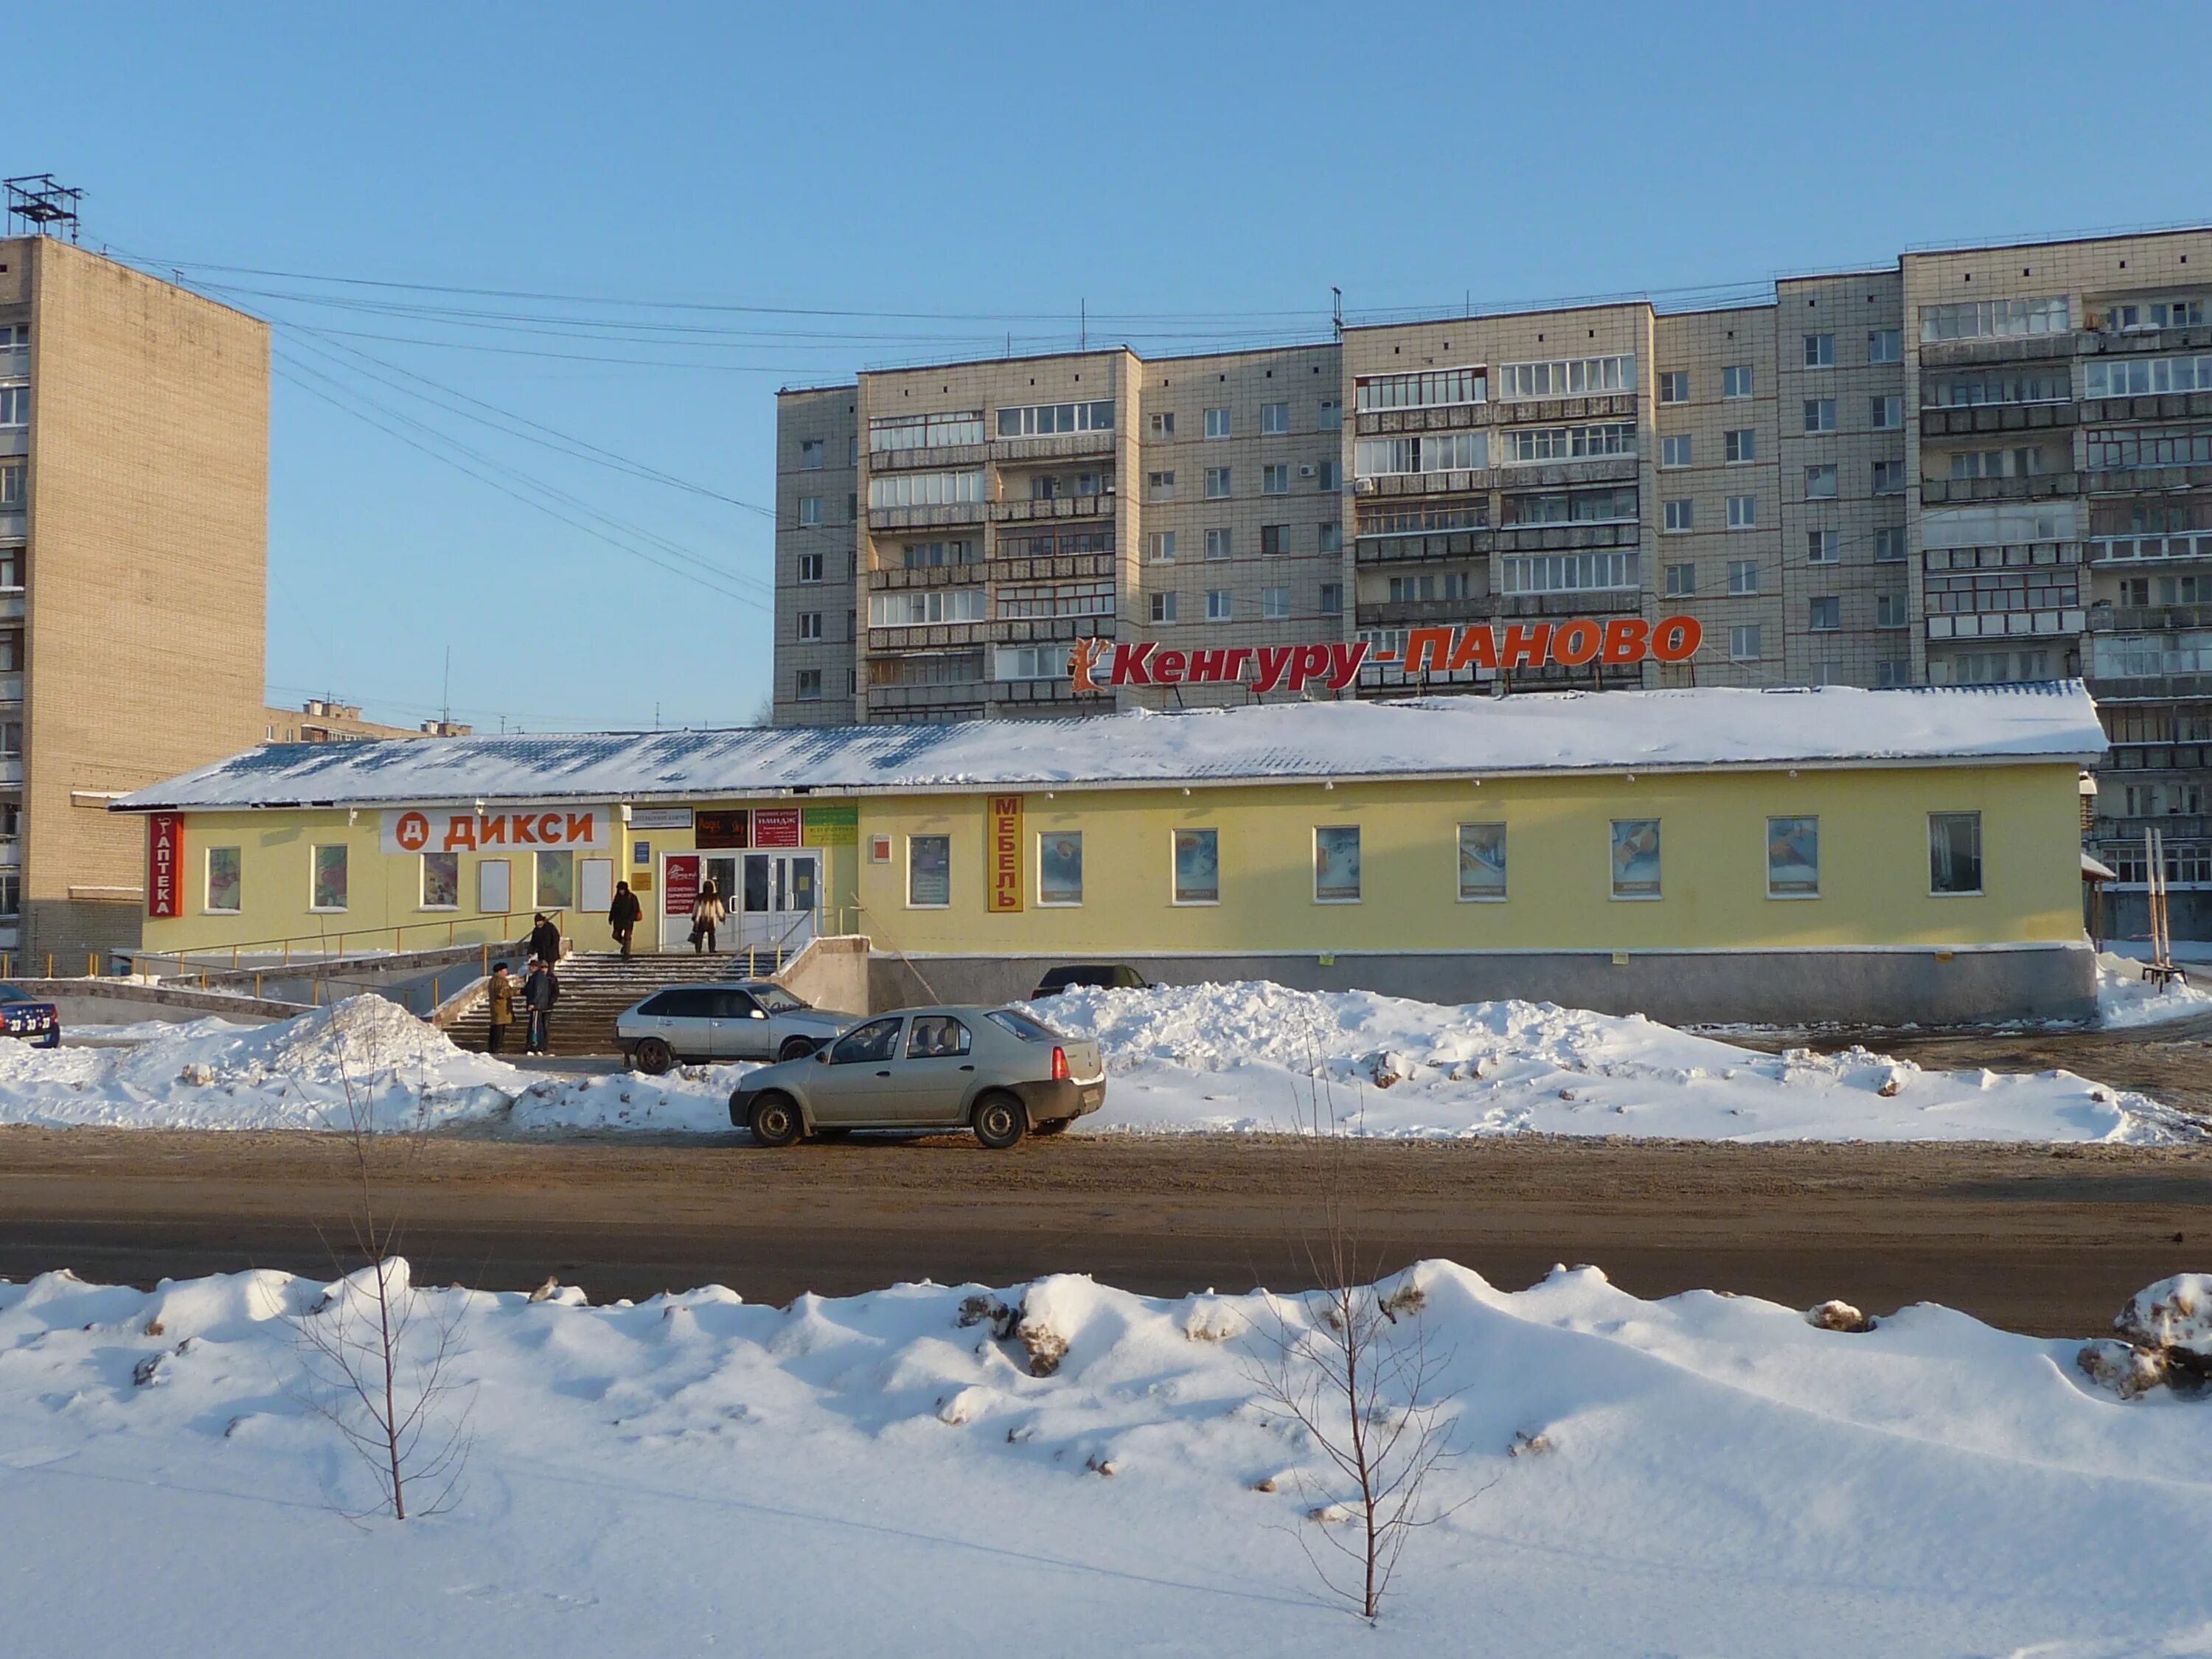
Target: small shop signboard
{"points": [[776, 826], [1004, 858], [164, 857], [681, 892]]}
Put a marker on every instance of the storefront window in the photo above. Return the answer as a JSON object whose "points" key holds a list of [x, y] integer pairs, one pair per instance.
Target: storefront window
{"points": [[1060, 867], [223, 879], [1954, 852], [1336, 863], [556, 881], [1482, 860], [1197, 866], [329, 879], [441, 881], [1793, 858], [1636, 857], [929, 872]]}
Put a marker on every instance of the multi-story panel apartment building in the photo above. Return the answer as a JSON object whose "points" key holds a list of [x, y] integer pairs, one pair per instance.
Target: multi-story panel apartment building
{"points": [[1981, 465], [134, 466]]}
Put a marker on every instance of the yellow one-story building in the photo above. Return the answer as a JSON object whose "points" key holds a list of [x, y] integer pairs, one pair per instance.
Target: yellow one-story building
{"points": [[1699, 854]]}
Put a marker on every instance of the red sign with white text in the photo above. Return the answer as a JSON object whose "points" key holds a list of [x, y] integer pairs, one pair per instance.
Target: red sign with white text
{"points": [[1096, 665], [680, 883], [165, 864], [775, 826]]}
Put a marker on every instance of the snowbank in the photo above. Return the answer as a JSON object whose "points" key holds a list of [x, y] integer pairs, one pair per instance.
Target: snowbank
{"points": [[897, 1473], [2125, 998], [1257, 1056]]}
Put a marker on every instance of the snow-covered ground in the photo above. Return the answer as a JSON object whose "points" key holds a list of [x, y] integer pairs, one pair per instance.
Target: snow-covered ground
{"points": [[1699, 1475], [2125, 998], [1226, 1058]]}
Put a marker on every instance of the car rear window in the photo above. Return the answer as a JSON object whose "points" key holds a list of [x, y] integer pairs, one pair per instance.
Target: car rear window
{"points": [[1028, 1029], [776, 999]]}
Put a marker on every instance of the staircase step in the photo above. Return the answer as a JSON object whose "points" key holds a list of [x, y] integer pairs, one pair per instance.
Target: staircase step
{"points": [[597, 986]]}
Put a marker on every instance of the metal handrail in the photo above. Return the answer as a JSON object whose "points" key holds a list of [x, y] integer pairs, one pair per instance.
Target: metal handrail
{"points": [[450, 924]]}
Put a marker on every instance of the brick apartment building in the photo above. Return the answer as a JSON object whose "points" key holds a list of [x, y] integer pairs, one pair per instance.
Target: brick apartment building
{"points": [[1978, 465]]}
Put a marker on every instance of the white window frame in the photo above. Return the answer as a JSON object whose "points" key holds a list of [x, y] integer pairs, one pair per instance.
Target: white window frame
{"points": [[1820, 351], [1225, 610], [1162, 547], [1679, 517], [1275, 603], [1161, 610], [1675, 451], [1743, 577], [1823, 547], [1736, 633], [911, 903], [1084, 881], [1675, 385], [1174, 893], [1218, 424], [1743, 513], [1744, 441], [1218, 481], [1274, 420], [1318, 830], [1737, 381]]}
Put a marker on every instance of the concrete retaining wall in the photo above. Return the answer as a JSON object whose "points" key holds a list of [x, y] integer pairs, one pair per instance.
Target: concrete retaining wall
{"points": [[122, 1002], [831, 973], [1782, 988]]}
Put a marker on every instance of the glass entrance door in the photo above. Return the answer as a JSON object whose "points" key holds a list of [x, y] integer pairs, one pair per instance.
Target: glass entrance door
{"points": [[780, 900]]}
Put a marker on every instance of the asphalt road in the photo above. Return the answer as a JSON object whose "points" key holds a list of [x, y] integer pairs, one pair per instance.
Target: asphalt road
{"points": [[2036, 1239]]}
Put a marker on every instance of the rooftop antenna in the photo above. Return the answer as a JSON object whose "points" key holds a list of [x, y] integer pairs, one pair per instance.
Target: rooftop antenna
{"points": [[42, 208], [446, 708], [1082, 324], [1337, 312]]}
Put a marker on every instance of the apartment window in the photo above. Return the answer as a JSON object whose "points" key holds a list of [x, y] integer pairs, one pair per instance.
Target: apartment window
{"points": [[1431, 390], [1571, 443], [1275, 603], [1042, 420], [1197, 866], [439, 881], [1793, 857], [1331, 418], [1271, 538], [1162, 546], [1675, 451], [811, 454], [1819, 414], [1030, 662], [1977, 319], [1820, 351], [1336, 863], [11, 568], [1160, 486], [1743, 642], [1567, 379], [1736, 382], [1090, 599], [929, 873], [896, 432], [1885, 345], [1636, 857], [1827, 615], [1820, 483], [1060, 867], [1886, 413], [12, 474], [808, 686], [1217, 544], [1740, 446], [1675, 387], [1889, 544], [11, 740], [1955, 852], [1680, 516], [1044, 488], [14, 404], [1821, 547], [1217, 604], [1894, 671], [1329, 477], [810, 566], [1275, 479], [1162, 425], [1681, 581], [1217, 423], [2003, 463], [11, 660], [1163, 609], [1482, 861], [932, 556], [1449, 452], [925, 488], [2147, 446], [1331, 536], [225, 879], [1217, 483], [809, 510], [1892, 611], [1743, 576], [1274, 419], [1332, 598], [1569, 573], [327, 887], [1743, 511], [921, 607], [2137, 377], [1889, 477]]}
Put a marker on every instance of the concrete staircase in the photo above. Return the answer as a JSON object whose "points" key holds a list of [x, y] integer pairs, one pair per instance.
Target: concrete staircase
{"points": [[597, 986]]}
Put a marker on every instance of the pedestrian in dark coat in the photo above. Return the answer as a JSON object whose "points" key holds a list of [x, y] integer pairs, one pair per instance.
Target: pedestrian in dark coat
{"points": [[539, 992], [623, 914], [546, 941]]}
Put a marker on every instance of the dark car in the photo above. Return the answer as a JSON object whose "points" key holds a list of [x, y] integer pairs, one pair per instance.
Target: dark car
{"points": [[1107, 975], [22, 1015]]}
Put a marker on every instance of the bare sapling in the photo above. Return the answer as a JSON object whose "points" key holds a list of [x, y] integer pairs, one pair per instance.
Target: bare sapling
{"points": [[379, 1356], [1352, 1370]]}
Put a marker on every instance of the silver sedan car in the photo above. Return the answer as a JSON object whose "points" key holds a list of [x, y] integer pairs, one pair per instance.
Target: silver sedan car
{"points": [[998, 1071], [747, 1019]]}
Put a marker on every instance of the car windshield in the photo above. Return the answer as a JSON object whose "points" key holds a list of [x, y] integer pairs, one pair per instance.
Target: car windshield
{"points": [[1022, 1026], [776, 999]]}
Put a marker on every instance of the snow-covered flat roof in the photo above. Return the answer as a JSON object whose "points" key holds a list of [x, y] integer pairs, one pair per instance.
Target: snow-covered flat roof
{"points": [[1432, 737]]}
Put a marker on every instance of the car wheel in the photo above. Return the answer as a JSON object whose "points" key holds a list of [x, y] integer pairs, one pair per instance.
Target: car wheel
{"points": [[1051, 1126], [796, 1048], [1001, 1120], [653, 1057], [775, 1120]]}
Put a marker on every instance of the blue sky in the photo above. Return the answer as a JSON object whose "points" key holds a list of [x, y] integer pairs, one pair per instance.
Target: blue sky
{"points": [[1210, 170]]}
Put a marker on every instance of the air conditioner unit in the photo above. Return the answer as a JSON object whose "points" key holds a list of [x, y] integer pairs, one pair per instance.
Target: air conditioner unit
{"points": [[1307, 471], [1363, 487]]}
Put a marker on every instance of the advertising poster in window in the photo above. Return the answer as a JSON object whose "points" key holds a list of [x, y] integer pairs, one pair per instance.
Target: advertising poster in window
{"points": [[1336, 864], [441, 881], [329, 879], [1793, 858], [1636, 857], [223, 885], [682, 891], [1197, 867], [1060, 867], [164, 852], [1003, 865], [1482, 860], [929, 871], [775, 826]]}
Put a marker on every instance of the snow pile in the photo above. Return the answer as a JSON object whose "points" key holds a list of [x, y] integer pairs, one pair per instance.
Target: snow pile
{"points": [[898, 1473], [1258, 1056], [2165, 1338], [2126, 999]]}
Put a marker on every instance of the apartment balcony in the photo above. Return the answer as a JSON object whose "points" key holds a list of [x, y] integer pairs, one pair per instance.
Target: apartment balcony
{"points": [[2018, 348], [11, 772], [1056, 506], [13, 527], [1009, 630], [1982, 625], [15, 362], [1557, 474], [1059, 446], [14, 441], [12, 605], [2159, 758], [2147, 406], [1058, 567], [1025, 693], [2174, 826], [1386, 485], [900, 699], [1374, 422], [2035, 487], [1430, 613], [1974, 419], [947, 458], [2144, 342], [1598, 406], [1589, 602], [1416, 546], [2105, 617], [1565, 537], [2144, 480], [942, 516], [2134, 552], [926, 575], [2146, 688]]}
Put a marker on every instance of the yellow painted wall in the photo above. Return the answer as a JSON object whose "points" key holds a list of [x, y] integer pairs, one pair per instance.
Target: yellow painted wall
{"points": [[1875, 866]]}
